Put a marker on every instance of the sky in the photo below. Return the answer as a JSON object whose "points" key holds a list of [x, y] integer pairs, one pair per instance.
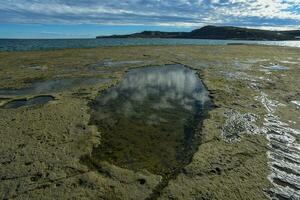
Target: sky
{"points": [[90, 18]]}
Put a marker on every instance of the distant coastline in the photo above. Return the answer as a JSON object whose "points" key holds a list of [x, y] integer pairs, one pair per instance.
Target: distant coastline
{"points": [[218, 33]]}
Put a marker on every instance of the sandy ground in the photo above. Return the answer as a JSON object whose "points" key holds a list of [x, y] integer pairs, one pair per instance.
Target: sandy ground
{"points": [[44, 149]]}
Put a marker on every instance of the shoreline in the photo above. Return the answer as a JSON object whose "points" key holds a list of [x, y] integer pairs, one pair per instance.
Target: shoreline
{"points": [[135, 42]]}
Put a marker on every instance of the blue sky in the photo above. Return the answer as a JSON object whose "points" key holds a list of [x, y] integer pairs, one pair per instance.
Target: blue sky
{"points": [[89, 18]]}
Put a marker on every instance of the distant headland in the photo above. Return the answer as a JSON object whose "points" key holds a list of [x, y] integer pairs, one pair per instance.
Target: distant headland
{"points": [[218, 32]]}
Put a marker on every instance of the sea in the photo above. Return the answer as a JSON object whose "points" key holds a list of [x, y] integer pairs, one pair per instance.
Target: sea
{"points": [[53, 44]]}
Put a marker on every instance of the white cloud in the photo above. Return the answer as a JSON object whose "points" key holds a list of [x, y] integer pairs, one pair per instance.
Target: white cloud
{"points": [[279, 13]]}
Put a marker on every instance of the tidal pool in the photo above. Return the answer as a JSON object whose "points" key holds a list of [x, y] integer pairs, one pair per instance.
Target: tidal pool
{"points": [[276, 67], [54, 85], [151, 120], [40, 100]]}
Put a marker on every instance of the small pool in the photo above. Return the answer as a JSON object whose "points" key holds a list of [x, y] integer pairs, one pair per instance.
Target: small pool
{"points": [[54, 85], [276, 67], [40, 100], [151, 120]]}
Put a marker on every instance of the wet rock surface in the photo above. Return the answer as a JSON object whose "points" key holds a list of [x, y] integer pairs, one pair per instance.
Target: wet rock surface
{"points": [[284, 153], [238, 124]]}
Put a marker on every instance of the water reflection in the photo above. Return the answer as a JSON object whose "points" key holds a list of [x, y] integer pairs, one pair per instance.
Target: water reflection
{"points": [[150, 119]]}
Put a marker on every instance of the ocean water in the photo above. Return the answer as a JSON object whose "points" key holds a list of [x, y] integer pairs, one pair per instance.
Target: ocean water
{"points": [[50, 44]]}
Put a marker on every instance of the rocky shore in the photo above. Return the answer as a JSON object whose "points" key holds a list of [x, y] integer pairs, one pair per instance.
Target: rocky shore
{"points": [[249, 142]]}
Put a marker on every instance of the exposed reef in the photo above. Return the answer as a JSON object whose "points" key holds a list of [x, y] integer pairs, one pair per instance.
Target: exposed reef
{"points": [[249, 142]]}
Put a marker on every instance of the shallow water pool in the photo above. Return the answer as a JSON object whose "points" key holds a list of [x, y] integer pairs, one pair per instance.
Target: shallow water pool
{"points": [[151, 120], [40, 100], [54, 85]]}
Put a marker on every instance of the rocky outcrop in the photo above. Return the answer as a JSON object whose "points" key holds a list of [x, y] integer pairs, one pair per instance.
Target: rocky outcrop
{"points": [[217, 32]]}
